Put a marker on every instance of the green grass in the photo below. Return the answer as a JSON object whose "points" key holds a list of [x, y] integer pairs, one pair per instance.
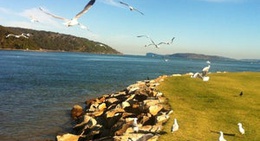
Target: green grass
{"points": [[214, 105]]}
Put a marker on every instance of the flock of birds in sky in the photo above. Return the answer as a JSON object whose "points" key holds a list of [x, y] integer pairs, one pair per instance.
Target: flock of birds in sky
{"points": [[74, 22], [153, 43]]}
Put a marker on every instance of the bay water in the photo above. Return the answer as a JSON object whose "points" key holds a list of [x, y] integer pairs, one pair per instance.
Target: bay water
{"points": [[38, 89]]}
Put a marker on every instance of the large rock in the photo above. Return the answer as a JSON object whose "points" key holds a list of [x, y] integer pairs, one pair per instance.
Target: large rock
{"points": [[76, 111], [154, 109], [67, 137]]}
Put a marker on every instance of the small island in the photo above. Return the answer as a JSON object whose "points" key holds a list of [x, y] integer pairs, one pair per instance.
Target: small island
{"points": [[190, 56]]}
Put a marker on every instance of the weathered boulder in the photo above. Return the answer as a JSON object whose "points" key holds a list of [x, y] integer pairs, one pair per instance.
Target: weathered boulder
{"points": [[76, 111], [154, 109], [67, 137]]}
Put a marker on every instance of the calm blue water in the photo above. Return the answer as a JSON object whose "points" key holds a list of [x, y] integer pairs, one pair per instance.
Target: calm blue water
{"points": [[38, 89]]}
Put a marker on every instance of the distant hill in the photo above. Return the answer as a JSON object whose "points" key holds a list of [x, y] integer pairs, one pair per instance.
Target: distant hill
{"points": [[191, 56], [45, 40]]}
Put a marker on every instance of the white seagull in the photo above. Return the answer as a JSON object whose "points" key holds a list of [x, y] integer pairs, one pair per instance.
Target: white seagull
{"points": [[99, 45], [74, 20], [17, 36], [175, 126], [131, 8], [167, 43], [203, 74], [240, 128], [26, 34], [135, 126], [221, 137], [197, 74], [153, 43], [205, 70]]}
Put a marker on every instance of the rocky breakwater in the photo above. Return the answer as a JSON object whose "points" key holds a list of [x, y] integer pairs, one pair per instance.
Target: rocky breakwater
{"points": [[136, 113]]}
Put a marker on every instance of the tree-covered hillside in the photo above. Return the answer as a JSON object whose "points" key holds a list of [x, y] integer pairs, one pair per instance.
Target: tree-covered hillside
{"points": [[44, 40]]}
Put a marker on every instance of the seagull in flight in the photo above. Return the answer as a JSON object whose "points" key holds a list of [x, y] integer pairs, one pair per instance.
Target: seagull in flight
{"points": [[74, 20], [153, 43], [131, 8], [167, 43], [18, 36]]}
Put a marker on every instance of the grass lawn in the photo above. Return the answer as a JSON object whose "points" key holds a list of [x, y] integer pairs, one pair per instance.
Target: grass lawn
{"points": [[201, 107]]}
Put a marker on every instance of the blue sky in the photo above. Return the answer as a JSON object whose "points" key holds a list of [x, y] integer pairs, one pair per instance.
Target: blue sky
{"points": [[229, 28]]}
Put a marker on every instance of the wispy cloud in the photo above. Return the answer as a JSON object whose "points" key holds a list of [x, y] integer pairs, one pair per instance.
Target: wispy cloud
{"points": [[23, 19], [40, 16], [5, 11]]}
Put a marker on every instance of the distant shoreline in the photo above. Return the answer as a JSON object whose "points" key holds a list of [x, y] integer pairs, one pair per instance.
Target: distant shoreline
{"points": [[148, 55], [47, 50]]}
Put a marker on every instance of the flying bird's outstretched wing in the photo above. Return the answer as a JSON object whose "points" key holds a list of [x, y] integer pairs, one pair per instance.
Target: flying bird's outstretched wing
{"points": [[148, 45], [168, 43], [162, 43], [172, 39], [86, 8], [54, 16], [124, 3], [152, 41], [143, 36], [138, 11]]}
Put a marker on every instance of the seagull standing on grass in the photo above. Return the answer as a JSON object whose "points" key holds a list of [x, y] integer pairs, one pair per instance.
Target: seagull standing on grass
{"points": [[205, 70], [240, 128], [221, 137], [175, 126], [74, 20], [131, 8], [203, 74]]}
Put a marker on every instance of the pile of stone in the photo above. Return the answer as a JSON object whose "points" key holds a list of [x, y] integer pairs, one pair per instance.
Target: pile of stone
{"points": [[136, 113]]}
